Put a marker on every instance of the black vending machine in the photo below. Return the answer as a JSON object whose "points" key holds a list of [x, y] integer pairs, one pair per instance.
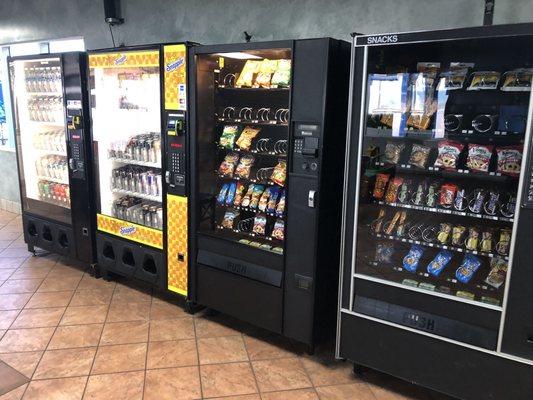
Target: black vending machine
{"points": [[50, 109], [267, 133], [436, 270]]}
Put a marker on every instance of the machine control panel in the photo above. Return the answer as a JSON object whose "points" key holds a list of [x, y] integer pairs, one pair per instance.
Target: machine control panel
{"points": [[176, 127], [305, 148], [76, 161]]}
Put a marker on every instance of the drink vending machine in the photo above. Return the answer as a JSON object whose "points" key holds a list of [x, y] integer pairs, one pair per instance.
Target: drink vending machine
{"points": [[50, 110], [138, 111], [436, 269]]}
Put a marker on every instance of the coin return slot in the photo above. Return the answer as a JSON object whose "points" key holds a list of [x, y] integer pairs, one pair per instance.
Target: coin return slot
{"points": [[149, 265], [47, 234], [63, 240], [181, 257], [108, 251], [127, 258], [32, 229]]}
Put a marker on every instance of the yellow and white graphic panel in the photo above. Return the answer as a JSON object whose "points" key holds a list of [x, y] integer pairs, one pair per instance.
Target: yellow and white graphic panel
{"points": [[177, 236], [130, 231], [175, 64], [141, 58]]}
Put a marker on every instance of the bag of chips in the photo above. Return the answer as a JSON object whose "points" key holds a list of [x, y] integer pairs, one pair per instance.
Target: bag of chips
{"points": [[259, 224], [282, 75], [479, 157], [256, 195], [227, 139], [231, 193], [447, 195], [263, 201], [384, 253], [246, 77], [244, 166], [393, 152], [248, 196], [381, 184], [279, 230], [468, 268], [449, 152], [440, 261], [280, 208], [411, 260], [228, 165], [419, 155], [247, 135], [222, 194], [266, 69], [239, 193], [271, 205], [498, 272], [229, 218], [280, 173], [509, 160]]}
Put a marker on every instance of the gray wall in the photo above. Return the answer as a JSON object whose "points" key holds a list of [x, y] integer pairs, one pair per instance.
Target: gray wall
{"points": [[223, 21], [9, 185]]}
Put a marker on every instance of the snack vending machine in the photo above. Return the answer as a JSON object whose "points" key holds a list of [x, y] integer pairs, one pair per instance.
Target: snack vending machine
{"points": [[267, 130], [51, 124], [138, 110], [436, 269]]}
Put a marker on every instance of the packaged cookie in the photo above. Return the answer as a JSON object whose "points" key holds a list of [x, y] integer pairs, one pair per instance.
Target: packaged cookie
{"points": [[412, 259], [239, 194], [468, 268], [472, 241], [228, 165], [280, 173], [393, 152], [244, 167], [256, 195], [458, 233], [279, 230], [518, 80], [483, 80], [486, 241], [248, 196], [419, 155], [444, 233], [440, 261], [498, 272], [479, 156], [259, 224], [227, 139], [380, 185], [247, 135], [509, 160], [449, 152], [229, 218]]}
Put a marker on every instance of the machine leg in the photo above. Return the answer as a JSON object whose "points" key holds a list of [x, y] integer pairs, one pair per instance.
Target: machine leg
{"points": [[191, 307], [358, 369]]}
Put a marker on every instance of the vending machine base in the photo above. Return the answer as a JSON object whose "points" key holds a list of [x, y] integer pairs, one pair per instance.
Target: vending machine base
{"points": [[48, 235]]}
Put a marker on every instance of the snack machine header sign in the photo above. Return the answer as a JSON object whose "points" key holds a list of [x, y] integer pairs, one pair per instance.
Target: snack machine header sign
{"points": [[175, 77]]}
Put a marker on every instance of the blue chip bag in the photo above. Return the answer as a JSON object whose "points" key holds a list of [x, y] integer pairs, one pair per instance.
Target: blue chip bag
{"points": [[411, 260], [440, 261], [271, 205], [222, 194], [467, 269], [231, 193]]}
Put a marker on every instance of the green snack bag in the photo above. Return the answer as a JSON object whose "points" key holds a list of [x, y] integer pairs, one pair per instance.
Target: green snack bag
{"points": [[227, 139], [282, 75]]}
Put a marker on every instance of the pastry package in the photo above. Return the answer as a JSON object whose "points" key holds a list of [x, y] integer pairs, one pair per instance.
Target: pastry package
{"points": [[486, 241], [259, 227], [483, 80], [247, 135], [458, 233], [263, 201], [256, 195], [455, 77], [498, 272], [419, 155], [271, 205], [445, 230], [231, 193], [227, 139], [279, 174], [221, 198], [248, 196], [504, 241], [384, 252], [244, 167], [449, 152], [380, 185], [282, 75], [412, 259], [266, 69], [278, 232], [228, 165], [229, 218], [246, 77], [468, 268], [239, 194], [280, 208], [392, 191], [472, 241], [440, 261], [447, 195], [393, 152], [509, 160], [479, 156], [518, 80]]}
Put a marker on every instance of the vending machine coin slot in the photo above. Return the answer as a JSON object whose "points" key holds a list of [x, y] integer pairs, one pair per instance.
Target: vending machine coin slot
{"points": [[306, 145]]}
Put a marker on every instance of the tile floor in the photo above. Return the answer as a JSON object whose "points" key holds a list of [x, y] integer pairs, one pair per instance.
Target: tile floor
{"points": [[65, 335]]}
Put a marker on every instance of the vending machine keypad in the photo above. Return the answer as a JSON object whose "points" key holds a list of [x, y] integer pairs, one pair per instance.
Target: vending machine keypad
{"points": [[176, 153]]}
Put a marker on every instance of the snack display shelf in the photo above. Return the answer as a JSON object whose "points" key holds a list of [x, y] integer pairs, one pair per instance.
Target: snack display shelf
{"points": [[253, 152], [137, 194], [252, 122], [440, 246], [135, 162], [429, 135], [246, 180], [55, 180], [255, 210], [445, 211], [253, 89], [59, 203], [45, 93], [51, 152], [252, 235]]}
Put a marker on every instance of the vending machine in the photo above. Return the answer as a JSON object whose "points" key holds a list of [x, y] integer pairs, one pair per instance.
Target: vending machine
{"points": [[436, 269], [50, 111], [267, 138], [138, 110]]}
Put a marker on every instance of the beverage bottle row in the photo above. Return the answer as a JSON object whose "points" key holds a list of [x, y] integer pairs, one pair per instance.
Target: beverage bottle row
{"points": [[56, 193], [140, 212], [50, 140], [46, 109], [55, 167], [145, 148], [43, 79], [137, 179]]}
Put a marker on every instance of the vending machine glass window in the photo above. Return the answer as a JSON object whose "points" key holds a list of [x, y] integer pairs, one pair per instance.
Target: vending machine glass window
{"points": [[126, 124], [243, 117], [40, 121]]}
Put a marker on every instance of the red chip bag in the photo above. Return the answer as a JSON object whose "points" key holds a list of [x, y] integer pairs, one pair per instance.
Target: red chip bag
{"points": [[479, 156], [449, 152], [509, 159]]}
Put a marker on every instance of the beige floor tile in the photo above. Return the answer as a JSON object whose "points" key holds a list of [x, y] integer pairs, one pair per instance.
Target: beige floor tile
{"points": [[7, 318], [15, 394], [24, 362], [14, 251], [243, 397], [39, 317], [125, 332], [11, 262], [356, 391], [122, 312], [57, 284], [7, 234], [84, 315], [2, 332], [328, 371], [4, 244], [31, 273], [163, 310], [56, 389], [175, 353], [10, 378], [65, 363], [300, 394], [62, 271], [119, 386], [280, 374], [206, 327], [171, 329], [90, 283], [41, 261], [73, 336], [50, 299], [172, 383], [268, 347], [219, 380], [93, 297], [6, 273], [34, 339], [20, 286], [223, 349], [14, 301], [120, 358], [126, 294]]}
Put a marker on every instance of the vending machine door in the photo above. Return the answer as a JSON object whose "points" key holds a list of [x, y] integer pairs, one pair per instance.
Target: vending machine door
{"points": [[39, 114]]}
